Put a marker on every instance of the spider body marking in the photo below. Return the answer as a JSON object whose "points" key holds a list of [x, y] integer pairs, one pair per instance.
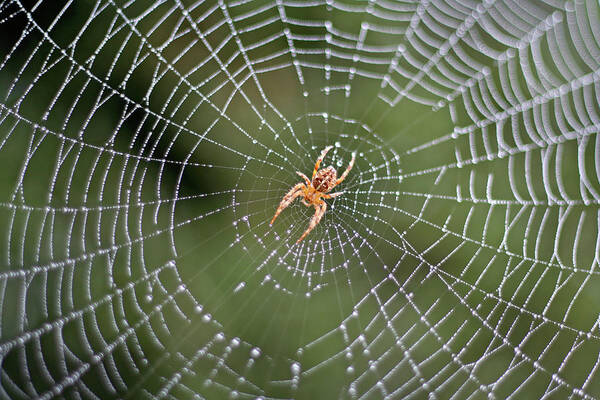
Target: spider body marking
{"points": [[325, 180], [314, 190]]}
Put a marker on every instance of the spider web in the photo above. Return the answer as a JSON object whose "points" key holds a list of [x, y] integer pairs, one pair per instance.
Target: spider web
{"points": [[146, 145]]}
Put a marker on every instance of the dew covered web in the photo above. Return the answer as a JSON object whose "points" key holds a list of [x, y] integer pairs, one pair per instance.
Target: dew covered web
{"points": [[146, 145]]}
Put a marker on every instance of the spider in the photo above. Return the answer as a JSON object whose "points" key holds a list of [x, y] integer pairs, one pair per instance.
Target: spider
{"points": [[314, 191]]}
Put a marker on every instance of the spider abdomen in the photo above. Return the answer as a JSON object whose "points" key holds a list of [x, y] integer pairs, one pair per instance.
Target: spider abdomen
{"points": [[325, 179]]}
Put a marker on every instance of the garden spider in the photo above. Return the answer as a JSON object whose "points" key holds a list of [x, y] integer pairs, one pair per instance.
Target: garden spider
{"points": [[314, 191]]}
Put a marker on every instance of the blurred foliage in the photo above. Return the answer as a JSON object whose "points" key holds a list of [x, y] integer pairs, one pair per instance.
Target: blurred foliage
{"points": [[113, 181]]}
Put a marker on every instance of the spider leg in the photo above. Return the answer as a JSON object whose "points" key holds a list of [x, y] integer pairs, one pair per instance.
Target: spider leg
{"points": [[304, 177], [290, 196], [347, 171], [319, 212], [320, 159], [331, 195]]}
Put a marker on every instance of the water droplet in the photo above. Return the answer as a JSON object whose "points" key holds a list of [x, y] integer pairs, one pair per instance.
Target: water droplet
{"points": [[295, 368], [255, 352], [239, 287]]}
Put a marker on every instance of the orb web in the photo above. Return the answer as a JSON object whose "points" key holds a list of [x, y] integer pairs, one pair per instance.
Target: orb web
{"points": [[146, 146]]}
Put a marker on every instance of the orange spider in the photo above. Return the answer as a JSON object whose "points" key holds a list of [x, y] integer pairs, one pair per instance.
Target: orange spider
{"points": [[322, 182]]}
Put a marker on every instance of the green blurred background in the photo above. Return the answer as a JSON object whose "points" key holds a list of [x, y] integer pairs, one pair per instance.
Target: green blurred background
{"points": [[145, 146]]}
